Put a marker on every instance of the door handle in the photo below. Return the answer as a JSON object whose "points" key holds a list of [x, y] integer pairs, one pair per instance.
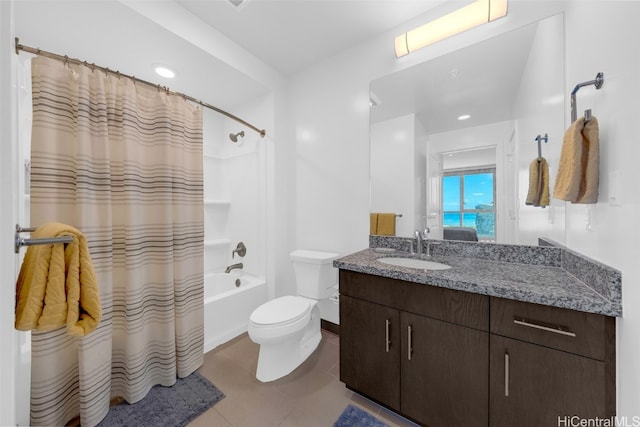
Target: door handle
{"points": [[506, 375], [409, 343], [556, 330], [387, 340]]}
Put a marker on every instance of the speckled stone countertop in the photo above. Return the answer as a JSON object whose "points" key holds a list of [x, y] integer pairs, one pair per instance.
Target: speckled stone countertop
{"points": [[540, 284]]}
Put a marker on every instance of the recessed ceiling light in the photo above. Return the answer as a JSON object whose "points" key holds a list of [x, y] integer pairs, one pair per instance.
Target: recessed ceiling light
{"points": [[464, 117], [164, 71]]}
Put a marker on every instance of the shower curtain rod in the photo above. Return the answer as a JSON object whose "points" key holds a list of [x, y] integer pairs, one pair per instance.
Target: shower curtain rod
{"points": [[66, 59]]}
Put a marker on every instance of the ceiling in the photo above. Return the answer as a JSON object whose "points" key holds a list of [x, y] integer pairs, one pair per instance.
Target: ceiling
{"points": [[291, 35]]}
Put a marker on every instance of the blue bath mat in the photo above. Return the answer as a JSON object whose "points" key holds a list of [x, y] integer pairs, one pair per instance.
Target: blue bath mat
{"points": [[173, 406], [356, 417]]}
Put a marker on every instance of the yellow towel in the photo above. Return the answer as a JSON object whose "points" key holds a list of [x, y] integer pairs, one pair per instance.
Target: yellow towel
{"points": [[373, 223], [590, 179], [538, 194], [386, 224], [57, 285], [578, 170]]}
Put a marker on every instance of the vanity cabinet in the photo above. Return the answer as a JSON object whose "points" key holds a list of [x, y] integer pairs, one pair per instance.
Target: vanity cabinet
{"points": [[549, 363], [419, 350], [443, 357], [370, 332]]}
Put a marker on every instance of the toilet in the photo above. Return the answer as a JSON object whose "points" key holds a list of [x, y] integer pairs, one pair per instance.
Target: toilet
{"points": [[288, 328]]}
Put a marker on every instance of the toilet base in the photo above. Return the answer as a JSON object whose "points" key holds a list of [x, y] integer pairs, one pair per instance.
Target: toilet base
{"points": [[278, 359]]}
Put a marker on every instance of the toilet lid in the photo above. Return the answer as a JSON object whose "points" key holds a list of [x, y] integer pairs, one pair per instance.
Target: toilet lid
{"points": [[280, 310]]}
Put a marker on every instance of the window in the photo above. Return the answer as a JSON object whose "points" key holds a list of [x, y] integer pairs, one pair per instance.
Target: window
{"points": [[468, 200]]}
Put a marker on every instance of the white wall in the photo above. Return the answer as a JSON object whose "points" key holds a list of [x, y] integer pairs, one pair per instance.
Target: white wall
{"points": [[392, 171], [9, 356], [331, 101], [420, 138], [613, 233], [539, 110]]}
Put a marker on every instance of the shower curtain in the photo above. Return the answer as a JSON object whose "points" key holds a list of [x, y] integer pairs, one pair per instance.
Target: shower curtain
{"points": [[122, 162]]}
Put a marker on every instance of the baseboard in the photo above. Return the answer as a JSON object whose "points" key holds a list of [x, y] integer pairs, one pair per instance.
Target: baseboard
{"points": [[330, 326]]}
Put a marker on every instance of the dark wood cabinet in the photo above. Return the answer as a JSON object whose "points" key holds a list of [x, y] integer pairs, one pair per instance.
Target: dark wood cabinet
{"points": [[451, 358], [533, 386], [444, 372], [430, 370], [372, 333], [549, 364]]}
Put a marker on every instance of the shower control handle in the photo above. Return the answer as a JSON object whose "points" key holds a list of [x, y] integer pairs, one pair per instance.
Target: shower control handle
{"points": [[240, 249]]}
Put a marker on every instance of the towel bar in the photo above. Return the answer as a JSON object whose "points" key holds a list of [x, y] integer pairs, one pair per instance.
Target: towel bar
{"points": [[540, 139], [19, 241], [597, 82]]}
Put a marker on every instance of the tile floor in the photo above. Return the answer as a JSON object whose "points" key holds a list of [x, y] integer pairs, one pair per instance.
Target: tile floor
{"points": [[311, 396]]}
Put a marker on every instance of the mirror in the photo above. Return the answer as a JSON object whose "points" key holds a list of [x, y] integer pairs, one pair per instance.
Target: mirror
{"points": [[435, 168]]}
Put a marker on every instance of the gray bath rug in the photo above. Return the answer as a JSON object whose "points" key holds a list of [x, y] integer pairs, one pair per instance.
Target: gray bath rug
{"points": [[173, 406], [353, 416]]}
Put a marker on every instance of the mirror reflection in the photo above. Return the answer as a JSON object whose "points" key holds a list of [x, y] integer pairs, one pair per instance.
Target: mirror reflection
{"points": [[452, 139]]}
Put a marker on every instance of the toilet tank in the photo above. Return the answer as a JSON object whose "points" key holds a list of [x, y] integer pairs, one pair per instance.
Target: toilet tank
{"points": [[315, 273]]}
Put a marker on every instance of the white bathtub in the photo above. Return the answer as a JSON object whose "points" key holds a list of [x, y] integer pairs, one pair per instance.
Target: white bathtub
{"points": [[227, 307]]}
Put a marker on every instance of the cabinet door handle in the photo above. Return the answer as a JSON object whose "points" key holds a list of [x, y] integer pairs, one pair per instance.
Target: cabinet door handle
{"points": [[556, 330], [387, 341], [409, 344], [506, 375]]}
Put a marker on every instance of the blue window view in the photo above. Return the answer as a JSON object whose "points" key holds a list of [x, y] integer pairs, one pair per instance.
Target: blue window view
{"points": [[468, 201]]}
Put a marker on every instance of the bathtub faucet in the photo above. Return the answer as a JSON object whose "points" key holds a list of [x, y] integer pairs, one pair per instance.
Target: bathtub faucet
{"points": [[233, 267]]}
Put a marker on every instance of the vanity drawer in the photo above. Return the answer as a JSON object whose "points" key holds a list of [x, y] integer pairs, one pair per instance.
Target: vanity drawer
{"points": [[573, 331], [462, 308]]}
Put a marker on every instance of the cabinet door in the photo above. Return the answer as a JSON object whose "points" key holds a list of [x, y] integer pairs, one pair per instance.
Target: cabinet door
{"points": [[537, 386], [445, 378], [370, 350]]}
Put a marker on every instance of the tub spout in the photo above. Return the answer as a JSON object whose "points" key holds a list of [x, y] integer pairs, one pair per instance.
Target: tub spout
{"points": [[233, 267]]}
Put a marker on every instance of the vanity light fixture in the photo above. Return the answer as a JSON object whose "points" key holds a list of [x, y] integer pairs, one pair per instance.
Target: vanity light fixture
{"points": [[477, 13], [464, 117], [164, 71]]}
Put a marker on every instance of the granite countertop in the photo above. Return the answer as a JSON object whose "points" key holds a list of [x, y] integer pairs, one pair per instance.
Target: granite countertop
{"points": [[552, 286]]}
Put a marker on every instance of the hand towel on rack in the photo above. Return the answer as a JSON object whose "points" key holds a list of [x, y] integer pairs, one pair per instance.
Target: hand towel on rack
{"points": [[57, 285], [578, 169], [538, 194], [590, 180], [386, 224], [373, 223]]}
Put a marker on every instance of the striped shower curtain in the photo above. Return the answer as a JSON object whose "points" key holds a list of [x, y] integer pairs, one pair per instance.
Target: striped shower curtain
{"points": [[122, 162]]}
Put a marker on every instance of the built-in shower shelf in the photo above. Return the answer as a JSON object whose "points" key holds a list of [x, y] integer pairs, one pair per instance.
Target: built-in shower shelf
{"points": [[217, 202], [216, 243]]}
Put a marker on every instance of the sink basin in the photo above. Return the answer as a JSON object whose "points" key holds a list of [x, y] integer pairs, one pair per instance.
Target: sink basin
{"points": [[421, 264]]}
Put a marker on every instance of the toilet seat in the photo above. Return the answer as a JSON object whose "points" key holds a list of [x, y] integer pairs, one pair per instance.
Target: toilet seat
{"points": [[281, 311]]}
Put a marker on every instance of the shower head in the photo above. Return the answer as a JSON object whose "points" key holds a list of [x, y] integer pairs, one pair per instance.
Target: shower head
{"points": [[234, 136]]}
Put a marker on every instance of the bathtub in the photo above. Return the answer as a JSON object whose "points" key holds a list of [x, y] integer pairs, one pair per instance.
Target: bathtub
{"points": [[227, 307]]}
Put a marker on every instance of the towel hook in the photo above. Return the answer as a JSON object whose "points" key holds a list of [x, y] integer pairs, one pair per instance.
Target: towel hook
{"points": [[597, 82], [540, 139]]}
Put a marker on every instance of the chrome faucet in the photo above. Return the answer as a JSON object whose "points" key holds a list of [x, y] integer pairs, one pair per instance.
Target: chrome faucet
{"points": [[421, 236], [419, 242], [233, 267]]}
